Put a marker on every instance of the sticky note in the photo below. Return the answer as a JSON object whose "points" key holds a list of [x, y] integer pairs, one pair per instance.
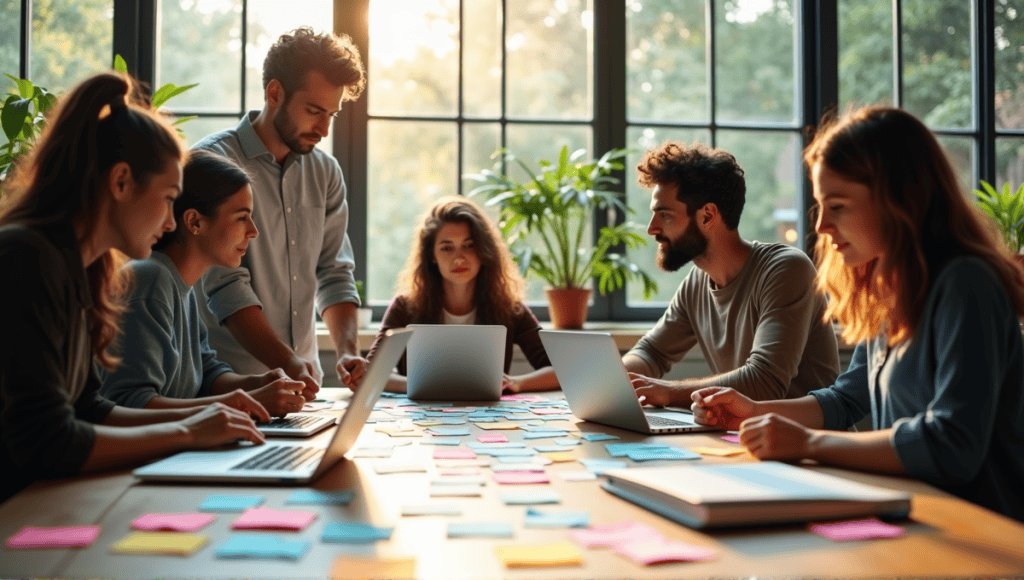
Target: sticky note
{"points": [[542, 519], [440, 441], [731, 438], [56, 537], [508, 452], [530, 497], [449, 431], [581, 475], [597, 437], [457, 453], [492, 438], [648, 551], [666, 453], [499, 467], [172, 522], [519, 477], [262, 546], [523, 398], [268, 519], [560, 456], [351, 568], [354, 533], [480, 530], [385, 468], [543, 434], [718, 451], [868, 529], [383, 451], [599, 466], [230, 503], [559, 553], [431, 509], [611, 535], [567, 441], [314, 497], [623, 449], [458, 471], [498, 425], [174, 543]]}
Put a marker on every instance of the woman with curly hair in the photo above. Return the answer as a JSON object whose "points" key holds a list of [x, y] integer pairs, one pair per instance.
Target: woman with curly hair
{"points": [[922, 284], [460, 272]]}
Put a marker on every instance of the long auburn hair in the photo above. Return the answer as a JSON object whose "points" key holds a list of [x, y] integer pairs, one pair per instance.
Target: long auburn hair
{"points": [[499, 287], [103, 121], [924, 216]]}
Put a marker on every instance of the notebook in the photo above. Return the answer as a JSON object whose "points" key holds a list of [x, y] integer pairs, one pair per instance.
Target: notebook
{"points": [[455, 362], [297, 425], [286, 461], [742, 494], [597, 388]]}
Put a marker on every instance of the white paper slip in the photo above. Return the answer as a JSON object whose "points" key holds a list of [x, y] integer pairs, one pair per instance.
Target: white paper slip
{"points": [[431, 509], [499, 467], [383, 451], [384, 468]]}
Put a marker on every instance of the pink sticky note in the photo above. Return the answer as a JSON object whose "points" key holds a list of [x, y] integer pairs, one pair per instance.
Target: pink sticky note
{"points": [[611, 535], [492, 438], [59, 537], [655, 550], [172, 522], [857, 530], [268, 519], [523, 398], [512, 477], [454, 453], [731, 438]]}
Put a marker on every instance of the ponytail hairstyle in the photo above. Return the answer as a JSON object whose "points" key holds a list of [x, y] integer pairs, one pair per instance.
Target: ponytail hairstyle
{"points": [[103, 121], [208, 180], [498, 294]]}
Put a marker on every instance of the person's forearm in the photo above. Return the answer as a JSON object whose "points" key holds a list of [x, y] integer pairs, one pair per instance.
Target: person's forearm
{"points": [[806, 410], [227, 382], [127, 417], [866, 451], [250, 328], [125, 446], [161, 402], [341, 321], [543, 379], [397, 384], [635, 364]]}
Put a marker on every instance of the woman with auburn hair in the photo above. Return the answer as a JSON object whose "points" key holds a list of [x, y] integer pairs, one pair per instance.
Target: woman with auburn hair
{"points": [[460, 272], [99, 184], [925, 287]]}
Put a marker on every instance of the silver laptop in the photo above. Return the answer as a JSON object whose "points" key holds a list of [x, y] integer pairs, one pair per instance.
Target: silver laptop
{"points": [[286, 462], [455, 362], [597, 388], [297, 425]]}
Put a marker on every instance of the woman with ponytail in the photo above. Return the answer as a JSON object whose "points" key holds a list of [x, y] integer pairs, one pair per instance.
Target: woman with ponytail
{"points": [[99, 185]]}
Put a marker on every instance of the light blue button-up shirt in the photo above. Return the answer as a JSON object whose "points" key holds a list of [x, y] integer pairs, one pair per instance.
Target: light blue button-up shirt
{"points": [[302, 260]]}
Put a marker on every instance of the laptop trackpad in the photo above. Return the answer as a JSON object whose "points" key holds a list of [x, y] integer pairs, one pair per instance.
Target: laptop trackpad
{"points": [[672, 415]]}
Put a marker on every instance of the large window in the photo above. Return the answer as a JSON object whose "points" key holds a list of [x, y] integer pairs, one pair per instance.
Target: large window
{"points": [[450, 81]]}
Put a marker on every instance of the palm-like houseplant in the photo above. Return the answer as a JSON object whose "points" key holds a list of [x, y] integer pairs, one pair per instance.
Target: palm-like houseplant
{"points": [[553, 208], [1006, 207]]}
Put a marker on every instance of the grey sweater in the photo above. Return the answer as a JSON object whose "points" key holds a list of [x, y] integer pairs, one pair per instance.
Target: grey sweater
{"points": [[953, 394], [163, 341], [763, 332]]}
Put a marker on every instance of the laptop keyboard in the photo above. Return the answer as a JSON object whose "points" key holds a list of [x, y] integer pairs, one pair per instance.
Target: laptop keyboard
{"points": [[657, 421], [295, 422], [280, 458]]}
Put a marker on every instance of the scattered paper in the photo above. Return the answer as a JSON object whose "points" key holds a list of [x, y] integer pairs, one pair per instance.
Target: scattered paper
{"points": [[230, 503], [599, 466], [868, 529], [449, 431], [731, 439], [492, 438], [480, 530], [649, 551], [314, 497], [351, 568], [173, 543], [611, 535], [561, 456], [540, 496], [440, 441], [268, 519], [560, 553], [498, 425], [457, 453], [431, 509], [456, 491], [57, 537], [539, 519], [385, 468], [581, 475], [262, 546], [520, 477], [354, 533], [172, 522], [718, 451], [597, 437]]}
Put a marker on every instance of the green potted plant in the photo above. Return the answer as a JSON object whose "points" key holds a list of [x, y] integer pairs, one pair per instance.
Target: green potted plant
{"points": [[1006, 207], [364, 314], [545, 217]]}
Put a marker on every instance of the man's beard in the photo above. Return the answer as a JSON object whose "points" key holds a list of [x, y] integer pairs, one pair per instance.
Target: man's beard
{"points": [[289, 133], [681, 251]]}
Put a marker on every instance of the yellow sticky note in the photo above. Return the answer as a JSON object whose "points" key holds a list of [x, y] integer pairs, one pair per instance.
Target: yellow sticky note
{"points": [[560, 553], [175, 543], [506, 425], [560, 456], [718, 451], [351, 568]]}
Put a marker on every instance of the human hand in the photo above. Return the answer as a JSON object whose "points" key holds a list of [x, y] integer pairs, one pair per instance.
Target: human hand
{"points": [[351, 369], [218, 424], [510, 384], [721, 406], [281, 397], [773, 436], [244, 402], [303, 370], [655, 392]]}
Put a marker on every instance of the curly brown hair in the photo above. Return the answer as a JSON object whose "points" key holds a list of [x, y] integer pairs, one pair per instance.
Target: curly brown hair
{"points": [[300, 51], [702, 175], [924, 216], [499, 287]]}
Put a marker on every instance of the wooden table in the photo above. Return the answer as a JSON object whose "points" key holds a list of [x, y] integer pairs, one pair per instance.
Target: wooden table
{"points": [[945, 536]]}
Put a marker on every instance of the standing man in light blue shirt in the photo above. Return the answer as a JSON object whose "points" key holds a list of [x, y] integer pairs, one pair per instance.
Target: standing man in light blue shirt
{"points": [[261, 315]]}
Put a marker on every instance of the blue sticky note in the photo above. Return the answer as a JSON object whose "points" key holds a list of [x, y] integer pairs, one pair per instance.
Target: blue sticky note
{"points": [[230, 503], [530, 497], [666, 453], [543, 434], [479, 446], [312, 496], [262, 546], [440, 441], [508, 452], [597, 437], [567, 441], [623, 449], [548, 448], [480, 530], [449, 420], [538, 519], [449, 431], [599, 466], [354, 533]]}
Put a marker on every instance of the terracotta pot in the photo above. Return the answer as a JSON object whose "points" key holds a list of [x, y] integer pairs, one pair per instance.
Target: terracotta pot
{"points": [[568, 307]]}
